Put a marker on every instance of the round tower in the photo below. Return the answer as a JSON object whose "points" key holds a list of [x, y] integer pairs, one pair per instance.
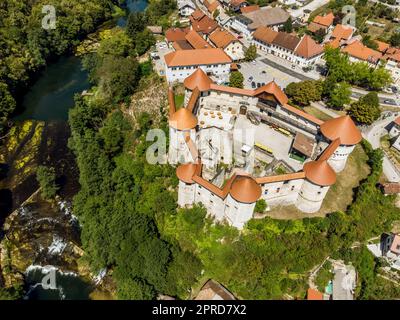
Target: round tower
{"points": [[319, 176], [342, 128], [241, 200], [199, 80], [187, 187], [182, 128]]}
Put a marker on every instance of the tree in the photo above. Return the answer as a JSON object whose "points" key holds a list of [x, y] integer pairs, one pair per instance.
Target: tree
{"points": [[379, 78], [216, 14], [288, 26], [367, 109], [236, 79], [119, 77], [251, 53], [261, 206], [143, 41], [319, 35], [367, 41], [340, 95], [303, 92], [395, 39], [7, 104], [136, 23], [46, 176]]}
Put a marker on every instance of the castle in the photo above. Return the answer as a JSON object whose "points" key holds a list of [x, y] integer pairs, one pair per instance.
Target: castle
{"points": [[227, 140]]}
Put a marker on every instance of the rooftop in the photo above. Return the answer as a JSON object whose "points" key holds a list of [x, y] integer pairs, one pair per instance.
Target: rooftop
{"points": [[357, 50], [266, 17], [342, 32], [222, 38], [342, 128], [197, 57], [326, 20]]}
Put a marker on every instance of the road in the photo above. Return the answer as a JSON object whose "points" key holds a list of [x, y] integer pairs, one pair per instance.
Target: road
{"points": [[312, 6], [284, 69], [373, 135]]}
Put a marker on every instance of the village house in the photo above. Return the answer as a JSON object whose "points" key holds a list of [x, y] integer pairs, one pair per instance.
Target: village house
{"points": [[340, 35], [176, 34], [357, 52], [214, 291], [186, 7], [394, 133], [213, 127], [247, 23], [322, 22], [388, 248], [212, 5], [392, 64], [234, 5], [303, 52], [202, 24], [223, 39], [182, 63]]}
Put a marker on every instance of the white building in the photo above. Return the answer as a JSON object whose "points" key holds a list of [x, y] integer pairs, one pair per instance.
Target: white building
{"points": [[247, 23], [232, 197], [303, 52], [223, 39], [186, 7], [392, 57], [182, 63]]}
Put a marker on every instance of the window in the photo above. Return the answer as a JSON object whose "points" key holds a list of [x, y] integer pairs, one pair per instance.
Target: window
{"points": [[292, 188], [266, 191], [278, 190]]}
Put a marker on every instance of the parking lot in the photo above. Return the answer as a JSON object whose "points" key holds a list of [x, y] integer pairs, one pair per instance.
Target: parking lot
{"points": [[260, 73], [158, 57], [278, 142]]}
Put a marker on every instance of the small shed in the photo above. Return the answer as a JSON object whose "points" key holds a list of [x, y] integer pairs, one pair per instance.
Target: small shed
{"points": [[155, 29]]}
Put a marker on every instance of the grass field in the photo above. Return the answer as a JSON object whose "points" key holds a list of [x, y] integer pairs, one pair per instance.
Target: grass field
{"points": [[339, 196]]}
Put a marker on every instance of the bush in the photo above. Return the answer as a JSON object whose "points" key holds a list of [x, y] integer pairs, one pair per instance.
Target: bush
{"points": [[46, 177]]}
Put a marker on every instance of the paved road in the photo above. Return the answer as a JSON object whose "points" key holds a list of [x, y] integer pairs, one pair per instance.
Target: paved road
{"points": [[312, 6], [286, 70], [373, 134]]}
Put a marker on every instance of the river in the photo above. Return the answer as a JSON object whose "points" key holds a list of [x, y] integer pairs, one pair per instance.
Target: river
{"points": [[49, 100]]}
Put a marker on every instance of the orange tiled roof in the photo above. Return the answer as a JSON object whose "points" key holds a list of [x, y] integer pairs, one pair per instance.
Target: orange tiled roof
{"points": [[357, 50], [320, 173], [265, 34], [342, 128], [382, 46], [204, 25], [313, 294], [222, 38], [198, 79], [326, 20], [185, 172], [197, 57], [197, 14], [273, 88], [308, 48], [314, 27], [335, 43], [249, 8], [183, 119], [282, 177], [245, 189], [342, 32], [176, 34], [196, 41]]}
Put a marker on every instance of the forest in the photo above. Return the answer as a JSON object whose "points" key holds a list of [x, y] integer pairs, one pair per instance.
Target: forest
{"points": [[26, 47]]}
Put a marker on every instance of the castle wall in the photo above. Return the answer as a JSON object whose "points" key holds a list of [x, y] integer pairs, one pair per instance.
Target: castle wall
{"points": [[238, 213], [311, 197], [338, 160], [281, 193], [186, 193], [215, 205], [178, 150]]}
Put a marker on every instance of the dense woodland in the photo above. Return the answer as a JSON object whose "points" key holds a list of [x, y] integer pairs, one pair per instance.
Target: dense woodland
{"points": [[25, 46]]}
